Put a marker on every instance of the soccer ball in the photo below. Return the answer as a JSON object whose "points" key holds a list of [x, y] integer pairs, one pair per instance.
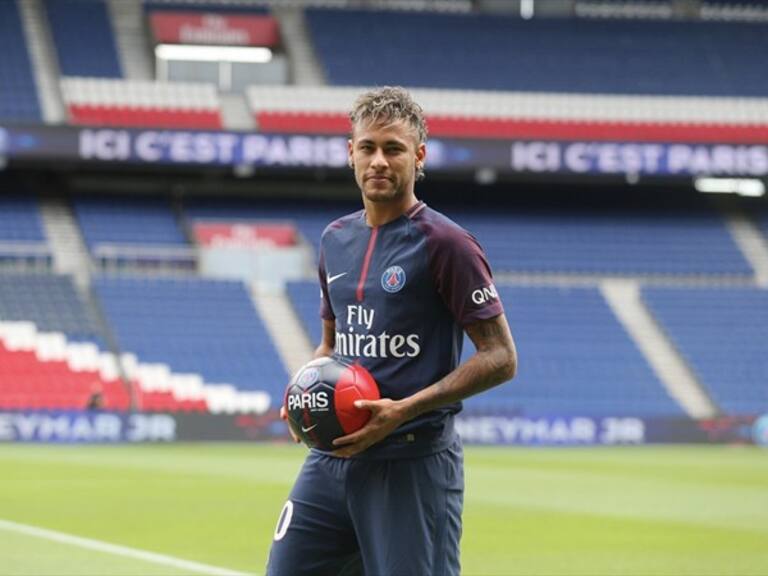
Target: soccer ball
{"points": [[320, 400]]}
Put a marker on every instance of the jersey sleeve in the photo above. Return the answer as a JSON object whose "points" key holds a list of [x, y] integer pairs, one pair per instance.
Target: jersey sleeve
{"points": [[462, 276], [326, 312]]}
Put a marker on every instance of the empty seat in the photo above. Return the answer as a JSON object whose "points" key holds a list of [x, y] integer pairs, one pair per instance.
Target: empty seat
{"points": [[204, 327], [83, 38], [18, 95], [722, 334]]}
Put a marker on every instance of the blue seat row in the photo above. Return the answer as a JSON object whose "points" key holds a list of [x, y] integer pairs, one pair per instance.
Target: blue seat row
{"points": [[723, 335], [201, 326], [575, 356], [106, 220], [20, 219], [498, 52], [693, 242], [18, 91], [83, 37], [52, 302]]}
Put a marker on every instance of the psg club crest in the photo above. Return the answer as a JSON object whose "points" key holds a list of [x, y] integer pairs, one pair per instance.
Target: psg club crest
{"points": [[308, 378], [393, 279]]}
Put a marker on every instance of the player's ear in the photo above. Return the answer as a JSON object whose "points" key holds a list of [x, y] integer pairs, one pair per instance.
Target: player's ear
{"points": [[350, 161], [421, 153]]}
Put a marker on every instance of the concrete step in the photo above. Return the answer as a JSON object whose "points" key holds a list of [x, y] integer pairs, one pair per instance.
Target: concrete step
{"points": [[70, 255], [623, 296], [305, 67], [284, 328], [235, 112], [45, 66], [133, 45], [750, 241]]}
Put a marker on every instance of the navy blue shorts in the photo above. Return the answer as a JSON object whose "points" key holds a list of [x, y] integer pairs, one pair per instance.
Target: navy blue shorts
{"points": [[381, 517]]}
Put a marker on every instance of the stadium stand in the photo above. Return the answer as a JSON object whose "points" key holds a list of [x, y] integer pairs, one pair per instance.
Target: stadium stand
{"points": [[552, 241], [121, 231], [655, 9], [203, 327], [20, 219], [22, 239], [734, 10], [48, 373], [105, 102], [501, 114], [52, 351], [761, 220], [83, 37], [542, 55], [304, 297], [722, 335], [51, 303], [692, 242], [205, 6], [188, 344], [18, 95], [127, 221], [563, 372]]}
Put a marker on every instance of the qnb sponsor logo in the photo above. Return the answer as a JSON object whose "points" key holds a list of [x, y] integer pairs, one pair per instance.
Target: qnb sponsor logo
{"points": [[353, 343], [308, 401], [484, 295]]}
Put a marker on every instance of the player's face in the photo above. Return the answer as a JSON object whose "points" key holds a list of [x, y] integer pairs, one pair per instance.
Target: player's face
{"points": [[384, 157]]}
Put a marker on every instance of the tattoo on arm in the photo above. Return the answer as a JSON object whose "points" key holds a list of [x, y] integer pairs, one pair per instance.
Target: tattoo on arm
{"points": [[494, 362]]}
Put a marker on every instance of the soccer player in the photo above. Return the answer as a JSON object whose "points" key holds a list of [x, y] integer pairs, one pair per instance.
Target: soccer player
{"points": [[400, 283]]}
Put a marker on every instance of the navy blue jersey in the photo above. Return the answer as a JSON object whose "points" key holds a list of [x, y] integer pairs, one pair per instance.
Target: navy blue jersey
{"points": [[400, 295]]}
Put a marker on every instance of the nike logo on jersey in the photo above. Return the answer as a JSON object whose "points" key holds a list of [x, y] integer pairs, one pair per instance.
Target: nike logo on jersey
{"points": [[305, 430], [330, 279]]}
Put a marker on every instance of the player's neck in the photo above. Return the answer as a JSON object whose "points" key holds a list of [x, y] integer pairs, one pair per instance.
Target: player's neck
{"points": [[380, 213]]}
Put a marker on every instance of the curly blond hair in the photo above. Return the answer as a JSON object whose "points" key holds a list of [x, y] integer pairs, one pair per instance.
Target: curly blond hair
{"points": [[390, 104]]}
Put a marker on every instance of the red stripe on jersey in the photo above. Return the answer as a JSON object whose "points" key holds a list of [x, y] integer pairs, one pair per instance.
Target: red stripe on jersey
{"points": [[366, 263]]}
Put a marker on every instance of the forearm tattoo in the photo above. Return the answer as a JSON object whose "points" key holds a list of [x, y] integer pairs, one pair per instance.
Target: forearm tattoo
{"points": [[494, 363]]}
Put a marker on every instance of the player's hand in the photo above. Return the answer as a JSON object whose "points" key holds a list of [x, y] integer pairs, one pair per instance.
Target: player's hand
{"points": [[284, 416], [386, 415]]}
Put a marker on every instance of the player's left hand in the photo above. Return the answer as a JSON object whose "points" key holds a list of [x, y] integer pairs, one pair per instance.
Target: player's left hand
{"points": [[386, 415]]}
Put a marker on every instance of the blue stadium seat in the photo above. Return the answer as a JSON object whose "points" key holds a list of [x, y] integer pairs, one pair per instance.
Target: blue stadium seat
{"points": [[22, 236], [692, 242], [575, 358], [205, 327], [83, 37], [52, 303], [18, 91], [497, 52], [134, 221], [305, 297], [205, 7], [723, 334], [20, 219]]}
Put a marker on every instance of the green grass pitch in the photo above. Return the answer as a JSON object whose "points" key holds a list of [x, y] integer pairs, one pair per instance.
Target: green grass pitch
{"points": [[580, 511]]}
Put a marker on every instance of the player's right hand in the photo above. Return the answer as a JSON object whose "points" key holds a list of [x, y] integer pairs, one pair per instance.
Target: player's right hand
{"points": [[284, 416]]}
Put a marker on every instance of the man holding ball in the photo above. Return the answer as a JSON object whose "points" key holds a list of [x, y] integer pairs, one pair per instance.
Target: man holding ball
{"points": [[400, 284]]}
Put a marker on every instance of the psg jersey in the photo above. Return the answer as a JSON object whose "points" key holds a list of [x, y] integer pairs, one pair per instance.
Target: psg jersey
{"points": [[400, 296]]}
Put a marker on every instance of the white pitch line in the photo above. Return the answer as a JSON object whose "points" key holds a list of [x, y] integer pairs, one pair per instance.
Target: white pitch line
{"points": [[118, 550]]}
